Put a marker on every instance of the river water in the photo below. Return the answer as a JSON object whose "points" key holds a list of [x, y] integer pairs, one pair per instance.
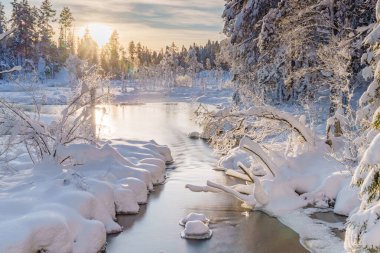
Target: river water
{"points": [[155, 229]]}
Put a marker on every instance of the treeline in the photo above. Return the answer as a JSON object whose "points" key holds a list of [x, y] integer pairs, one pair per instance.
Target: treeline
{"points": [[117, 61], [33, 45], [32, 35]]}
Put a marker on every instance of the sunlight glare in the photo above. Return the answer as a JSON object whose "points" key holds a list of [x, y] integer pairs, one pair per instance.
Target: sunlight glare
{"points": [[99, 32]]}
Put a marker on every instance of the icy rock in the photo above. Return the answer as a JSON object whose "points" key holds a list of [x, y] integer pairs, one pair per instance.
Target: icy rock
{"points": [[194, 217], [196, 230], [194, 135]]}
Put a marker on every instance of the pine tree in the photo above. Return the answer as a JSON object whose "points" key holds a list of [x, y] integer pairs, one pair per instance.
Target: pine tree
{"points": [[46, 44], [3, 49], [25, 36], [112, 56], [3, 21], [66, 38], [139, 56], [88, 49], [132, 53], [364, 221], [114, 47]]}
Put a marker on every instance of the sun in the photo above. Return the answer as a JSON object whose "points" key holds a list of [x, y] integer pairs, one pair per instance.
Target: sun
{"points": [[98, 31]]}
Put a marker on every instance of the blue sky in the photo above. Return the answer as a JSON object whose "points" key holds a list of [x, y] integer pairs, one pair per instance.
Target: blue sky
{"points": [[155, 23]]}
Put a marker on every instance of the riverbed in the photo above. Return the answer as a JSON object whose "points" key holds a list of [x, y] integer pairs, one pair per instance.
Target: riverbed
{"points": [[156, 228]]}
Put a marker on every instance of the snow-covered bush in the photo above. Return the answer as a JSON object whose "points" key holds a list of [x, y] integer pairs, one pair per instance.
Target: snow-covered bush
{"points": [[76, 123], [184, 81], [225, 128]]}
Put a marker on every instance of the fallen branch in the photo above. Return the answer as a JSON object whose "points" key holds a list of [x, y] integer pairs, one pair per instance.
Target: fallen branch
{"points": [[16, 68], [235, 174], [196, 188], [245, 170], [252, 147], [228, 190]]}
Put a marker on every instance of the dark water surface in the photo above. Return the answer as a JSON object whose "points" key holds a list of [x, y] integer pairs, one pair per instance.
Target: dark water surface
{"points": [[155, 229]]}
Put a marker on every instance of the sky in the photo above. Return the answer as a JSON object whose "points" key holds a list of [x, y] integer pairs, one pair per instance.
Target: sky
{"points": [[155, 23]]}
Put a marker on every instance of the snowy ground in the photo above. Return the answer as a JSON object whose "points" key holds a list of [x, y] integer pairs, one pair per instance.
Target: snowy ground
{"points": [[293, 178], [117, 176], [47, 207]]}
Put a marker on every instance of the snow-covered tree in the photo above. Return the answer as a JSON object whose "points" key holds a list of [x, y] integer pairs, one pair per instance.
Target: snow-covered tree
{"points": [[111, 60], [25, 36], [66, 35], [193, 66], [169, 65], [275, 43], [88, 49], [363, 226], [46, 43], [3, 21]]}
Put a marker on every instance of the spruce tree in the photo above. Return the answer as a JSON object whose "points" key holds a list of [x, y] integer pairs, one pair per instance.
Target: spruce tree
{"points": [[66, 38], [25, 36], [88, 49], [47, 46], [2, 19], [114, 47]]}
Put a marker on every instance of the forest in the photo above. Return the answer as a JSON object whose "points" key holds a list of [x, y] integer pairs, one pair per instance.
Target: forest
{"points": [[35, 45]]}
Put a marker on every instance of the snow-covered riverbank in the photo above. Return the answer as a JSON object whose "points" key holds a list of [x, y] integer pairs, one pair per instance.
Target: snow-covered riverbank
{"points": [[70, 208], [51, 208]]}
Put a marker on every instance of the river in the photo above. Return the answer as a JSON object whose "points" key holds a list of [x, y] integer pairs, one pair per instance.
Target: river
{"points": [[155, 229]]}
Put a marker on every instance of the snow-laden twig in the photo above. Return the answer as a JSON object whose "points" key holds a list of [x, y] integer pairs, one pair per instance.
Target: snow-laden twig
{"points": [[234, 173], [254, 148], [246, 171], [197, 188], [272, 113], [231, 191], [7, 33], [16, 68]]}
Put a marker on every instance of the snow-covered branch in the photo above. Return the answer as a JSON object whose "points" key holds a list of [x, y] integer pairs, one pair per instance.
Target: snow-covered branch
{"points": [[274, 114], [7, 33], [16, 68]]}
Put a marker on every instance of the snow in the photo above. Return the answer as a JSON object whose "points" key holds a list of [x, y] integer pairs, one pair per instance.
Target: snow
{"points": [[194, 135], [194, 217], [16, 68], [373, 36], [3, 35], [116, 177], [292, 182], [52, 208], [367, 73], [196, 227], [316, 236], [196, 230]]}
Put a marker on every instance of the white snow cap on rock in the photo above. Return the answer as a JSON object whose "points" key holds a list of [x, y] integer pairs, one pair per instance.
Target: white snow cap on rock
{"points": [[196, 230], [194, 217]]}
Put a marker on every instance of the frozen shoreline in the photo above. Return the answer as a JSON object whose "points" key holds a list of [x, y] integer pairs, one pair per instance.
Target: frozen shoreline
{"points": [[58, 209], [154, 163]]}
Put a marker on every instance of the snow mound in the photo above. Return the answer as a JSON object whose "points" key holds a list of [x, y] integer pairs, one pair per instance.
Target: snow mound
{"points": [[194, 217], [196, 230], [52, 208]]}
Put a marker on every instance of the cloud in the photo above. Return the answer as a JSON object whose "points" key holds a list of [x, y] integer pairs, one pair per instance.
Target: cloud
{"points": [[199, 19], [186, 15]]}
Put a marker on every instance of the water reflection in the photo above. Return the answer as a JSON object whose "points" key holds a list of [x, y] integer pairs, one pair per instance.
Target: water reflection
{"points": [[156, 227]]}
